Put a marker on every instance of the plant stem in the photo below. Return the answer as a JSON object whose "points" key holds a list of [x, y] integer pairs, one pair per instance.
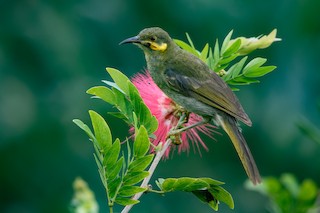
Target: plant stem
{"points": [[155, 162], [155, 191], [153, 166]]}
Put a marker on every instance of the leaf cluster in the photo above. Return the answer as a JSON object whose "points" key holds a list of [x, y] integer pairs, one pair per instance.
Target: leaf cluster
{"points": [[221, 59], [126, 98], [119, 175], [287, 195], [207, 190]]}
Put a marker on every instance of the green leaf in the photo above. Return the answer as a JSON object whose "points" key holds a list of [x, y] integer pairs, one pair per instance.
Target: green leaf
{"points": [[114, 170], [206, 197], [204, 52], [119, 78], [135, 121], [152, 125], [101, 130], [291, 184], [226, 42], [126, 201], [142, 112], [242, 80], [129, 158], [254, 69], [232, 49], [84, 127], [123, 105], [235, 89], [235, 69], [101, 171], [186, 47], [196, 184], [113, 187], [187, 184], [168, 184], [222, 195], [206, 189], [210, 60], [190, 41], [142, 143], [227, 60], [182, 183], [112, 154], [159, 183], [141, 163], [254, 64], [238, 67], [133, 92], [103, 93], [212, 182], [134, 177], [119, 115], [216, 53], [128, 191], [308, 190], [113, 86], [261, 71]]}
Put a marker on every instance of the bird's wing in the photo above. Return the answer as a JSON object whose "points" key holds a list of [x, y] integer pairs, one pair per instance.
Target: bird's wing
{"points": [[209, 89]]}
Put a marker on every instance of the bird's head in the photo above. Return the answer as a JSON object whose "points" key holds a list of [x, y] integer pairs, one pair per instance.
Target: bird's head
{"points": [[154, 40]]}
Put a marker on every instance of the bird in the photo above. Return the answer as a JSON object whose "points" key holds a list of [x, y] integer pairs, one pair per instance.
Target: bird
{"points": [[190, 83]]}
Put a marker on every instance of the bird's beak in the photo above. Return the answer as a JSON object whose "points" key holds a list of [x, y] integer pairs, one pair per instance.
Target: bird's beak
{"points": [[135, 39]]}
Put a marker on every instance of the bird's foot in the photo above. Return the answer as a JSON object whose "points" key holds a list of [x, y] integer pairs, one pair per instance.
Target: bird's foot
{"points": [[181, 112], [181, 129]]}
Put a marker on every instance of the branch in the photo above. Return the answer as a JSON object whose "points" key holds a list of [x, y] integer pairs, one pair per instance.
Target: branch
{"points": [[153, 166], [156, 161]]}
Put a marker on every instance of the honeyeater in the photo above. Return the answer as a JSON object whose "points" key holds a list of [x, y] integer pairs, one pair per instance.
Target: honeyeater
{"points": [[189, 82]]}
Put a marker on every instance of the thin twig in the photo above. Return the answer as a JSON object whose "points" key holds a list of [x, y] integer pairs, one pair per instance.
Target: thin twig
{"points": [[183, 129], [153, 166]]}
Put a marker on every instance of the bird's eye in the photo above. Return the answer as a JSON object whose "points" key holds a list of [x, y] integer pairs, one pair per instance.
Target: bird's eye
{"points": [[153, 38]]}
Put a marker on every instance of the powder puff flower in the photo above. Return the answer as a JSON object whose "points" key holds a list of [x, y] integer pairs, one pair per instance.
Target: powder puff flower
{"points": [[168, 113]]}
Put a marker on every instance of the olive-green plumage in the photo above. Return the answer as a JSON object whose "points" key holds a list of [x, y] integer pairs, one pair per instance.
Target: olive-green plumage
{"points": [[190, 83]]}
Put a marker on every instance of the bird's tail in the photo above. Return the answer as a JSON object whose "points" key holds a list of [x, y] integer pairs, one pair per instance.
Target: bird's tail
{"points": [[229, 125]]}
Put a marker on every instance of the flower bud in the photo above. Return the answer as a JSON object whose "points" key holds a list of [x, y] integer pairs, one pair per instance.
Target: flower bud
{"points": [[250, 44]]}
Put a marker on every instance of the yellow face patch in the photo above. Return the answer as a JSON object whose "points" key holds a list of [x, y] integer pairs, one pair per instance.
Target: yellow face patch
{"points": [[162, 47]]}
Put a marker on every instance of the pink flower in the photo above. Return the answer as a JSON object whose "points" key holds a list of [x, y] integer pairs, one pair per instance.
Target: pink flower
{"points": [[165, 110]]}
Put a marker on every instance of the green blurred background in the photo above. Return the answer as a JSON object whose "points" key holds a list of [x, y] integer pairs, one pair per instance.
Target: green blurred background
{"points": [[51, 52]]}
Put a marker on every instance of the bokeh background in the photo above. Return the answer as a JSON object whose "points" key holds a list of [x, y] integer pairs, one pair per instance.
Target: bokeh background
{"points": [[51, 52]]}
